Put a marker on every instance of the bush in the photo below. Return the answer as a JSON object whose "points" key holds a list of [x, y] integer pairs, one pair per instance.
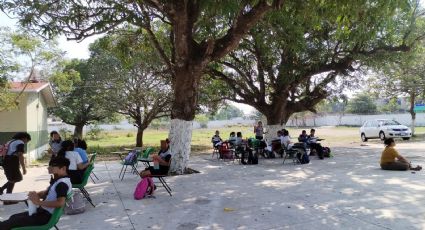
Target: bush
{"points": [[65, 133], [130, 134], [94, 133]]}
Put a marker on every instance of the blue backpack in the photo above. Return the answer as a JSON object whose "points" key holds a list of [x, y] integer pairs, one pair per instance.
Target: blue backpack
{"points": [[303, 158], [131, 157]]}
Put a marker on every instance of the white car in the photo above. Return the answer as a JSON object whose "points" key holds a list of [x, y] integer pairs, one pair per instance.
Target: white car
{"points": [[383, 128]]}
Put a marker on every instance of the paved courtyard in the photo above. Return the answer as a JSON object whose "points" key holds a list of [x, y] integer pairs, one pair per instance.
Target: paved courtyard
{"points": [[348, 191]]}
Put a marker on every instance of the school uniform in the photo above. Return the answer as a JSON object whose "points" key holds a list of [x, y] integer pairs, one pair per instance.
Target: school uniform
{"points": [[58, 188], [11, 160]]}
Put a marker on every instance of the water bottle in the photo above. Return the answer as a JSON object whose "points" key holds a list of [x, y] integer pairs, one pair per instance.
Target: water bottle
{"points": [[156, 164], [32, 208]]}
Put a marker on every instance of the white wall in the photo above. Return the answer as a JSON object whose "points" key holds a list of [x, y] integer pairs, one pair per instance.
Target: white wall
{"points": [[355, 120]]}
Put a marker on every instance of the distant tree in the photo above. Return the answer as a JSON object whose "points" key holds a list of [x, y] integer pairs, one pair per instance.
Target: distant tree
{"points": [[391, 106], [202, 119], [228, 112], [361, 104], [84, 93]]}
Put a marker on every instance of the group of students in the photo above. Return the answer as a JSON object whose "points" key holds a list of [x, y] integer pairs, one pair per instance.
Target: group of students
{"points": [[283, 139], [60, 184], [75, 151]]}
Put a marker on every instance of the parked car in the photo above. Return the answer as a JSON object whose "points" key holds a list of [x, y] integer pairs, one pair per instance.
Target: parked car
{"points": [[383, 128]]}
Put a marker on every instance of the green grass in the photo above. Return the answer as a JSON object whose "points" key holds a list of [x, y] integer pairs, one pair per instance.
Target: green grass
{"points": [[201, 138]]}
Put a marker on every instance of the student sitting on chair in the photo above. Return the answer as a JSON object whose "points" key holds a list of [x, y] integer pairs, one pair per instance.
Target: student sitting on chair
{"points": [[80, 146], [163, 159], [392, 160], [303, 137], [54, 143], [53, 197], [216, 139], [232, 139], [312, 142], [242, 148], [286, 139], [76, 166]]}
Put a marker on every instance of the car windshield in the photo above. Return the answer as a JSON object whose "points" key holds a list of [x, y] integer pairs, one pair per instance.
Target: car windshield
{"points": [[389, 122]]}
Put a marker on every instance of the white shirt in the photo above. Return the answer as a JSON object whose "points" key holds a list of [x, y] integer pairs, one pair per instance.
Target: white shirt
{"points": [[286, 140], [74, 159], [13, 146]]}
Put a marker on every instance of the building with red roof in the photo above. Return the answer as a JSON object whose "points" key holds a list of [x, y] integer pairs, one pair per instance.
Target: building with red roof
{"points": [[30, 116]]}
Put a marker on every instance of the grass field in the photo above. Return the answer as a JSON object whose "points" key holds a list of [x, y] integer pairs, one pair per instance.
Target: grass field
{"points": [[201, 138]]}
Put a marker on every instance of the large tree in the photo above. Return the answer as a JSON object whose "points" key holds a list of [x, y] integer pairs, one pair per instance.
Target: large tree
{"points": [[143, 82], [298, 56], [198, 32], [85, 92]]}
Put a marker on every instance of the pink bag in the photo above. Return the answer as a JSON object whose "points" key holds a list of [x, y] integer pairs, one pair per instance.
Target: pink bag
{"points": [[144, 187]]}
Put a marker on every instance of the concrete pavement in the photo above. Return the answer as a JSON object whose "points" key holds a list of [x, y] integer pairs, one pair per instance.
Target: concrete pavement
{"points": [[348, 191]]}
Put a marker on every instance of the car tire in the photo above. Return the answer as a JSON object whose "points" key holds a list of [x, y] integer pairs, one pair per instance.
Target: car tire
{"points": [[363, 137], [382, 136], [406, 138]]}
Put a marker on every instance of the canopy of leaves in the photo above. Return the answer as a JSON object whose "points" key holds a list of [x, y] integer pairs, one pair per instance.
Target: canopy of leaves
{"points": [[21, 56], [301, 54], [144, 84], [83, 91]]}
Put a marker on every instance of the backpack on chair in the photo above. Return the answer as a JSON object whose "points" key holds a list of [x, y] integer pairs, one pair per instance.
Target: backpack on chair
{"points": [[224, 151], [144, 188]]}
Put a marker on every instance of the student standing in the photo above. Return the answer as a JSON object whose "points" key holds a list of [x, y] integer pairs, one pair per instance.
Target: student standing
{"points": [[15, 157]]}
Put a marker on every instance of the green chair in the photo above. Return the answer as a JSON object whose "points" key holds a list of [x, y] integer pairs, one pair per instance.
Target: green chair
{"points": [[132, 164], [145, 155], [91, 161], [56, 215], [81, 186]]}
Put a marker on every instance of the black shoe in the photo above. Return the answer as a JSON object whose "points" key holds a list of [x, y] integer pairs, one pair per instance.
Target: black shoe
{"points": [[154, 187]]}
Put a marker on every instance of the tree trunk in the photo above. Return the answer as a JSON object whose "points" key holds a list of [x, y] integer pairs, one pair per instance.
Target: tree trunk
{"points": [[272, 131], [185, 86], [180, 137], [78, 131], [276, 120], [139, 137], [412, 112]]}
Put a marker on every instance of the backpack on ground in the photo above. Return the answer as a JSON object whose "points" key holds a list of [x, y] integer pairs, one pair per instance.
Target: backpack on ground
{"points": [[303, 158], [144, 188], [326, 152], [3, 151], [130, 158], [252, 158], [76, 204]]}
